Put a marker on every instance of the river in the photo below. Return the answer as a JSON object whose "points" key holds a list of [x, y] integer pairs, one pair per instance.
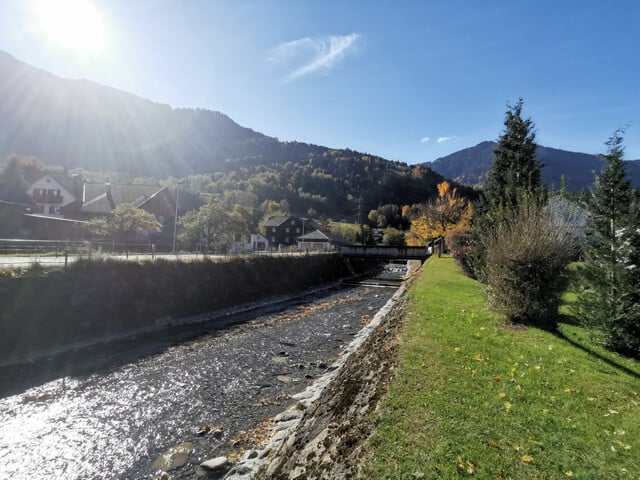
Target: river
{"points": [[113, 422]]}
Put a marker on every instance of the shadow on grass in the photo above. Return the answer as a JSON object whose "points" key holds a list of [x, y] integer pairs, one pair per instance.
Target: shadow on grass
{"points": [[570, 320]]}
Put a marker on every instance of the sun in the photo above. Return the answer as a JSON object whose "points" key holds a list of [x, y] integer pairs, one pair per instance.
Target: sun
{"points": [[74, 24]]}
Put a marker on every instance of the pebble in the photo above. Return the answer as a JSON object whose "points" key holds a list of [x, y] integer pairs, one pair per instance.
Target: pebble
{"points": [[214, 464], [173, 458]]}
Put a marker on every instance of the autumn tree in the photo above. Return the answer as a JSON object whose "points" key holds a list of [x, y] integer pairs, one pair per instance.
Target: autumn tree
{"points": [[448, 212], [126, 223]]}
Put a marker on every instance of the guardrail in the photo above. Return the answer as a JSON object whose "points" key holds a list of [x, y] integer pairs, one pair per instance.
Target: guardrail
{"points": [[22, 253]]}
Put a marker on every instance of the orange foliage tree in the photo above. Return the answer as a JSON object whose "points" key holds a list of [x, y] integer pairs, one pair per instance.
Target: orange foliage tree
{"points": [[448, 212]]}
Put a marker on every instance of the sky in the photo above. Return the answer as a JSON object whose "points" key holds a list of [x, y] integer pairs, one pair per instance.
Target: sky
{"points": [[407, 80]]}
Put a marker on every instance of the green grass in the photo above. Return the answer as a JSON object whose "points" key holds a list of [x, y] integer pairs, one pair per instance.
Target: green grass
{"points": [[475, 398]]}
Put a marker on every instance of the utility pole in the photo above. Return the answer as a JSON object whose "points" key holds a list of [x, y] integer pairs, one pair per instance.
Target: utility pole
{"points": [[359, 210]]}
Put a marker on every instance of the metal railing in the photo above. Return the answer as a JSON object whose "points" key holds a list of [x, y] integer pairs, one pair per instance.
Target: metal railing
{"points": [[22, 253]]}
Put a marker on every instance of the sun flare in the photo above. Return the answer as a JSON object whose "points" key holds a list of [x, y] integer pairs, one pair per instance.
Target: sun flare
{"points": [[75, 24]]}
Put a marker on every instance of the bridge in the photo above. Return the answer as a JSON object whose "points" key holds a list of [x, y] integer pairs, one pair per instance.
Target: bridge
{"points": [[388, 252]]}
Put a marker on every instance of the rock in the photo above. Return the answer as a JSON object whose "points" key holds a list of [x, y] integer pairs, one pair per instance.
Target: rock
{"points": [[173, 458], [214, 464], [284, 378], [288, 415], [214, 430]]}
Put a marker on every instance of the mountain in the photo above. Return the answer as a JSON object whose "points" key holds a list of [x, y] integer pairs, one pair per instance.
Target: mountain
{"points": [[471, 165], [78, 123]]}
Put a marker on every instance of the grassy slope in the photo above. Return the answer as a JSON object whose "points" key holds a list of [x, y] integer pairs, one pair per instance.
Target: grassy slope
{"points": [[473, 398]]}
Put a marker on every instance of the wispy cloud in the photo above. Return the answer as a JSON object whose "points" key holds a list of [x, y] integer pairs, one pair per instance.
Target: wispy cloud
{"points": [[425, 139], [446, 139], [310, 55]]}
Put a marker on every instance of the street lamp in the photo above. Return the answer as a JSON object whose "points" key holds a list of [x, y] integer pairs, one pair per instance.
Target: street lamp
{"points": [[175, 220]]}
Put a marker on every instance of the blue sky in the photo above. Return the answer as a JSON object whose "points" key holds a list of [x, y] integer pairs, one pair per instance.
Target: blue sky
{"points": [[407, 80]]}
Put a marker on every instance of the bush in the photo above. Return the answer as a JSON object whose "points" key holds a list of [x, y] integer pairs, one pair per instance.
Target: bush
{"points": [[526, 254], [460, 244]]}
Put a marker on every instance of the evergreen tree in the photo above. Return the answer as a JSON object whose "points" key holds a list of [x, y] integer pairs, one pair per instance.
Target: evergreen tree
{"points": [[607, 275], [515, 171], [513, 179], [624, 329]]}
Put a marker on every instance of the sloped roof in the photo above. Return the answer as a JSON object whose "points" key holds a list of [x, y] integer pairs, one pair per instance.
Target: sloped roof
{"points": [[103, 198], [277, 220], [54, 219], [63, 180], [320, 236]]}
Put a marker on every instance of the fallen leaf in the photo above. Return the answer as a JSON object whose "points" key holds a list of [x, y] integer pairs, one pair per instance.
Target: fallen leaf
{"points": [[568, 473], [507, 406], [501, 395], [622, 444], [527, 458]]}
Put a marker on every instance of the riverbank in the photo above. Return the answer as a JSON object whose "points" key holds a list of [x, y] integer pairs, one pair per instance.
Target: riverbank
{"points": [[101, 301], [474, 396], [443, 388]]}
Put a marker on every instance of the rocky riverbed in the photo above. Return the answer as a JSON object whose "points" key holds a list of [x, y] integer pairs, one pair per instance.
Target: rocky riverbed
{"points": [[162, 414]]}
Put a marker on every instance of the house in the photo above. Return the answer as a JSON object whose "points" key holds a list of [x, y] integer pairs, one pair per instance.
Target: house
{"points": [[100, 199], [319, 241], [50, 196], [256, 243], [282, 230]]}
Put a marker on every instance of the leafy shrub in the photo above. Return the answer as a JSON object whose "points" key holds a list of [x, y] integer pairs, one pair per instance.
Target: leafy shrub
{"points": [[460, 244], [526, 254]]}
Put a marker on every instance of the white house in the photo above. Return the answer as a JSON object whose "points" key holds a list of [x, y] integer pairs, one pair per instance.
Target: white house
{"points": [[49, 196], [256, 243]]}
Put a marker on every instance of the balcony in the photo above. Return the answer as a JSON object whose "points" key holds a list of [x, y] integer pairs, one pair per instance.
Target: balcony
{"points": [[47, 198]]}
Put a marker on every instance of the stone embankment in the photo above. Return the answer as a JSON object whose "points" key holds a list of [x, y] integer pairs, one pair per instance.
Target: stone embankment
{"points": [[322, 435]]}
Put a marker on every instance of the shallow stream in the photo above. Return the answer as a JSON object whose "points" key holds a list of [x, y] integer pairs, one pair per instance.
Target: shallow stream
{"points": [[210, 391]]}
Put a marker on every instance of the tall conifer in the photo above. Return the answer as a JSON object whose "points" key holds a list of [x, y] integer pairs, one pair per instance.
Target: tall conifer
{"points": [[515, 172], [606, 276]]}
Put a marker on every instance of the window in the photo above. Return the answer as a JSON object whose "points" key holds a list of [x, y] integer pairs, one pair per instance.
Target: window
{"points": [[273, 229], [286, 230], [293, 222], [273, 239], [297, 230], [286, 239], [53, 209]]}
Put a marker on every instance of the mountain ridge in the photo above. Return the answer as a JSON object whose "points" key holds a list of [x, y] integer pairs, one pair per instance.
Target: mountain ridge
{"points": [[471, 165]]}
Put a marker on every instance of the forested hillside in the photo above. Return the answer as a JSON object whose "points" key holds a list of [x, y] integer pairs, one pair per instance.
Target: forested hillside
{"points": [[337, 184]]}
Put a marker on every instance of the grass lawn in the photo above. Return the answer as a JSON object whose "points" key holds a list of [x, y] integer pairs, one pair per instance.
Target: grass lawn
{"points": [[476, 398]]}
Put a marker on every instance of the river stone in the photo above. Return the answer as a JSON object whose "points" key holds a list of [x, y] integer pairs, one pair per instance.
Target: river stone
{"points": [[214, 464], [173, 458], [284, 378]]}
